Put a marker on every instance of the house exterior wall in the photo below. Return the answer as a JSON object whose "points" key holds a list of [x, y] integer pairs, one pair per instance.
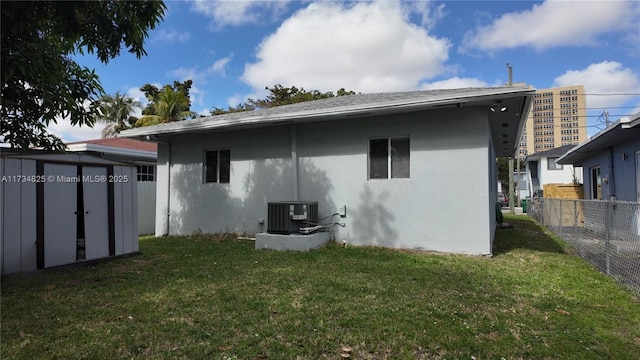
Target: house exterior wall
{"points": [[612, 162], [564, 176], [422, 212]]}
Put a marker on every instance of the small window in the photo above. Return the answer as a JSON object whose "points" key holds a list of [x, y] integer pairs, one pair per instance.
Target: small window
{"points": [[552, 164], [596, 183], [146, 173], [389, 158], [217, 166]]}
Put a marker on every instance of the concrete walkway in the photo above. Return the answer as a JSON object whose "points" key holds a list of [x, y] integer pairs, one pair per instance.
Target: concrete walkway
{"points": [[517, 209]]}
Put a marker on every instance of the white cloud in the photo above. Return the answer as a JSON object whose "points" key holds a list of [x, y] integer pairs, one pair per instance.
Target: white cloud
{"points": [[364, 47], [430, 14], [186, 73], [238, 12], [172, 35], [219, 67], [607, 77], [554, 23], [68, 133], [454, 83]]}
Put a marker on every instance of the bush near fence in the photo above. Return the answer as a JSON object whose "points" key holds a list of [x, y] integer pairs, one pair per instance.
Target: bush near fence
{"points": [[605, 233]]}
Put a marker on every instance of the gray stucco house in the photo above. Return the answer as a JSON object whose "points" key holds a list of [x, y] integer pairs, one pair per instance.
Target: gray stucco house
{"points": [[414, 170], [610, 161]]}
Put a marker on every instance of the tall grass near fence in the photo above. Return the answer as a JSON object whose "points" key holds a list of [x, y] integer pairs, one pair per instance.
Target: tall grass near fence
{"points": [[605, 233]]}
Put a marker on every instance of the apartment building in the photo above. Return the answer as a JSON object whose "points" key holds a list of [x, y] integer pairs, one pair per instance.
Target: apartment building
{"points": [[558, 117]]}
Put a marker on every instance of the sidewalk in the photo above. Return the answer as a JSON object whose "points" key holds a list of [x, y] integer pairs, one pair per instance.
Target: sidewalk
{"points": [[517, 209]]}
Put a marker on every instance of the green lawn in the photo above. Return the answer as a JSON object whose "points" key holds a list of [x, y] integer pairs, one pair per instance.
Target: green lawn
{"points": [[209, 297]]}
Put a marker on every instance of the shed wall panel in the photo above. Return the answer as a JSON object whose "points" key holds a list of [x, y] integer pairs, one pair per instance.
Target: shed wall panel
{"points": [[96, 215], [119, 216], [11, 231], [28, 222]]}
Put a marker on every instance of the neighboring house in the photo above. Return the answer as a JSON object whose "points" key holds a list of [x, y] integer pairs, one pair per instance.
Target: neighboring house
{"points": [[409, 167], [542, 168], [63, 208], [610, 161], [141, 153]]}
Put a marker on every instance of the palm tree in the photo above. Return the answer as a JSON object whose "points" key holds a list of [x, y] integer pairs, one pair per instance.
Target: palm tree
{"points": [[116, 111], [169, 105]]}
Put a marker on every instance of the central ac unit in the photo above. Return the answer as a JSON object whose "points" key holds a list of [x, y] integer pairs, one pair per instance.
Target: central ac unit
{"points": [[286, 217]]}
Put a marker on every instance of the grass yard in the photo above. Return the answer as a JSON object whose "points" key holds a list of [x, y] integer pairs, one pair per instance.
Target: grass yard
{"points": [[209, 297]]}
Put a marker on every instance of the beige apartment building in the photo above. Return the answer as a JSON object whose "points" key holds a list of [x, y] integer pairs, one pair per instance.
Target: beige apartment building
{"points": [[558, 117]]}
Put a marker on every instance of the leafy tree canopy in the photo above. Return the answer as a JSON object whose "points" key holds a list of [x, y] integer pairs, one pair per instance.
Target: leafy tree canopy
{"points": [[116, 111], [280, 95], [171, 103], [40, 81]]}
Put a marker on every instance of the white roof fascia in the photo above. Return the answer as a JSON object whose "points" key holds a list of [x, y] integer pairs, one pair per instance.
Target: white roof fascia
{"points": [[624, 123], [112, 150]]}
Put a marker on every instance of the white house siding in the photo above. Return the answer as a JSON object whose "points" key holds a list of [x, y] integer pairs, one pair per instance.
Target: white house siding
{"points": [[437, 208], [564, 176], [260, 172], [423, 211], [146, 207]]}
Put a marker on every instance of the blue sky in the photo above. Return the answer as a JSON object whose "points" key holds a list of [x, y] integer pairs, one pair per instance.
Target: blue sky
{"points": [[232, 50]]}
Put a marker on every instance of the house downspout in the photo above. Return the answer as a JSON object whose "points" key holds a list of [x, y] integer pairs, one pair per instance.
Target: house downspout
{"points": [[294, 161], [612, 182]]}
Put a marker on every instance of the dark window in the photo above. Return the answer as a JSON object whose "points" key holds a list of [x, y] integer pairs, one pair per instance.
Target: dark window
{"points": [[146, 173], [596, 183], [378, 159], [389, 158], [217, 166], [552, 164]]}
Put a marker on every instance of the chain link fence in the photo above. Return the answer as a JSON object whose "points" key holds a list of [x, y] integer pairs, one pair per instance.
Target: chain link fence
{"points": [[605, 233]]}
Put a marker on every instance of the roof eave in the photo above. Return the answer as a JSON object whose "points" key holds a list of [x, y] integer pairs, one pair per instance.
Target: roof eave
{"points": [[330, 113]]}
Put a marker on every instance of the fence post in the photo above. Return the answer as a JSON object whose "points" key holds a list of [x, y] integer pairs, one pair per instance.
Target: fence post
{"points": [[607, 229], [561, 206]]}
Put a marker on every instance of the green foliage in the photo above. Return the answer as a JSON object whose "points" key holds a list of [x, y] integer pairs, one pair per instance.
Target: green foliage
{"points": [[40, 82], [280, 95], [503, 170], [166, 105], [115, 111]]}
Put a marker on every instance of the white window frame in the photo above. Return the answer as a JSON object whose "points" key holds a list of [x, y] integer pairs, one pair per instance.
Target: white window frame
{"points": [[204, 166], [389, 157], [143, 174]]}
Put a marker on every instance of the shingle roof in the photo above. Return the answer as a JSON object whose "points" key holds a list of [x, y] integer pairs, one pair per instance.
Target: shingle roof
{"points": [[555, 152], [350, 106]]}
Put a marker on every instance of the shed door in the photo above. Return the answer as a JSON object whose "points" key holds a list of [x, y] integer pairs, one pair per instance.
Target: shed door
{"points": [[96, 210], [60, 196]]}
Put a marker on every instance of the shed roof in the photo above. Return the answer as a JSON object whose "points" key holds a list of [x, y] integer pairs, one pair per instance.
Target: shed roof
{"points": [[121, 147], [515, 99], [620, 132]]}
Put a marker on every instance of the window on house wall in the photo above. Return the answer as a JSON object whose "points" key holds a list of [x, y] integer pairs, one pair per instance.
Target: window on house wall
{"points": [[552, 164], [389, 158], [146, 172], [596, 183], [217, 166]]}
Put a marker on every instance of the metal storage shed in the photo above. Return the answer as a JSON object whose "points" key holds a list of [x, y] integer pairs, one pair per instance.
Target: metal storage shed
{"points": [[59, 209]]}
